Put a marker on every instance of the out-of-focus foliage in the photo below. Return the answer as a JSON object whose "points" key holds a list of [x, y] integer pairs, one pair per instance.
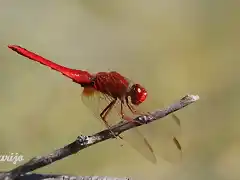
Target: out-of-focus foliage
{"points": [[172, 47]]}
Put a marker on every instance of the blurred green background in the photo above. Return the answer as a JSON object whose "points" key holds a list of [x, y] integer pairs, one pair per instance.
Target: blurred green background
{"points": [[171, 47]]}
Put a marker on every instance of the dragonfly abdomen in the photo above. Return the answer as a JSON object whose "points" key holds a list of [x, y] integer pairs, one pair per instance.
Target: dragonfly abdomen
{"points": [[78, 76]]}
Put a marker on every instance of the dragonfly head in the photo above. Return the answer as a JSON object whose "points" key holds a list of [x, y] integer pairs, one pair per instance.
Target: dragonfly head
{"points": [[137, 93]]}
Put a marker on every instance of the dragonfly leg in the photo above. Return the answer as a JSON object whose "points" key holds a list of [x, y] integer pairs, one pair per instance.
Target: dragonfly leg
{"points": [[125, 117], [105, 112], [133, 110]]}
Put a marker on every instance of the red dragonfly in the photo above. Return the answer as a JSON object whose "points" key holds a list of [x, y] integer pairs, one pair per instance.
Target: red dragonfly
{"points": [[114, 90]]}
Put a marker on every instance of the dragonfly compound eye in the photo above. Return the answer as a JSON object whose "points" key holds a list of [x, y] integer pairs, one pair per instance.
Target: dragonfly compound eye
{"points": [[138, 94]]}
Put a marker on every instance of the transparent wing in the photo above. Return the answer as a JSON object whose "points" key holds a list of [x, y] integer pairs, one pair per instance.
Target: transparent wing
{"points": [[163, 134], [168, 132], [97, 101], [135, 139]]}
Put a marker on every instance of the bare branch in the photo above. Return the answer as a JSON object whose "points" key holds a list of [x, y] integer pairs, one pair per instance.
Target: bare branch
{"points": [[83, 142], [33, 176]]}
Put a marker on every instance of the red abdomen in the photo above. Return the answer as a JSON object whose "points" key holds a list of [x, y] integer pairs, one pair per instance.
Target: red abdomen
{"points": [[111, 83], [78, 76]]}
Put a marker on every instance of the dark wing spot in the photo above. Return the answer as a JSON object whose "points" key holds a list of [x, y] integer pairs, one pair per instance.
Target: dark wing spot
{"points": [[177, 143]]}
